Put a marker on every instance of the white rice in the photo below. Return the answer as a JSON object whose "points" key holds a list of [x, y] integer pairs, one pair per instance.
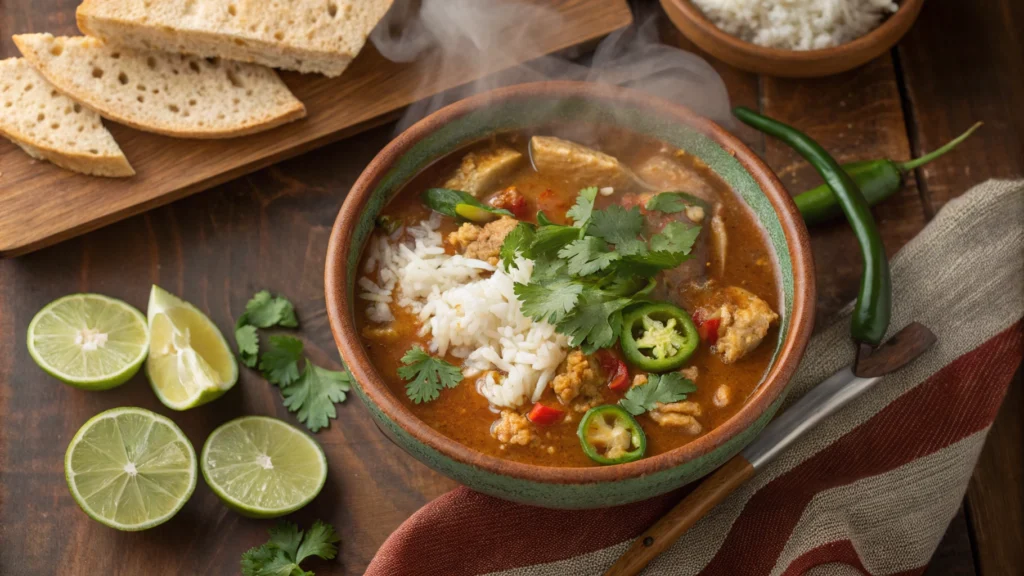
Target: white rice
{"points": [[797, 24], [467, 313]]}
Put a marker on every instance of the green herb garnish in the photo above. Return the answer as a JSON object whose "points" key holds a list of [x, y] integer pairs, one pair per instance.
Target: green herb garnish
{"points": [[288, 547], [660, 388], [315, 393], [585, 275], [426, 375], [672, 202], [312, 391], [462, 205]]}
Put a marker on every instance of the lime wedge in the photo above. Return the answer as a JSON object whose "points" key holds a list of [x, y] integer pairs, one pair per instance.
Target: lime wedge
{"points": [[130, 469], [262, 467], [89, 341], [190, 362]]}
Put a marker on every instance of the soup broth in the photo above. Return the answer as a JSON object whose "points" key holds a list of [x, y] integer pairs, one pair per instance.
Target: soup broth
{"points": [[728, 286]]}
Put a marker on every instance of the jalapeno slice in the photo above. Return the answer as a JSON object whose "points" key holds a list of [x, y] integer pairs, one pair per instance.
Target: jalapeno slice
{"points": [[658, 337], [610, 435]]}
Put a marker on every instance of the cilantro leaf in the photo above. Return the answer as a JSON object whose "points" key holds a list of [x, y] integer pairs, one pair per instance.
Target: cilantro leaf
{"points": [[616, 225], [673, 202], [280, 363], [595, 322], [548, 301], [264, 311], [248, 342], [587, 256], [517, 242], [584, 207], [550, 239], [267, 560], [675, 237], [650, 264], [282, 555], [314, 394], [633, 247], [660, 388], [320, 542], [426, 375], [286, 536]]}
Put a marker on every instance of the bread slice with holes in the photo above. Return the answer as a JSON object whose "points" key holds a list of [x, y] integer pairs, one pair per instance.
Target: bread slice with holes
{"points": [[305, 35], [50, 126], [171, 94]]}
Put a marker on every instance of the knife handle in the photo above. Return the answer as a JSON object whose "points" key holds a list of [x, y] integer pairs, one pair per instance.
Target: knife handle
{"points": [[677, 521]]}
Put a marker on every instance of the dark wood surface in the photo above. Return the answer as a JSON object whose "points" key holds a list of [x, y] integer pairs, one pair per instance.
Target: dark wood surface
{"points": [[962, 62], [41, 204]]}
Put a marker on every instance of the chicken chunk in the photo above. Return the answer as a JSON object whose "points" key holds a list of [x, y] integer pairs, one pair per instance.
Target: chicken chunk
{"points": [[512, 428], [687, 422], [482, 243], [664, 171], [577, 383], [723, 396], [576, 162], [744, 322], [479, 172]]}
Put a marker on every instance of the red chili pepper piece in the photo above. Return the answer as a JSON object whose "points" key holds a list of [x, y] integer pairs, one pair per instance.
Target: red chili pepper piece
{"points": [[615, 368], [542, 415], [707, 329], [510, 199]]}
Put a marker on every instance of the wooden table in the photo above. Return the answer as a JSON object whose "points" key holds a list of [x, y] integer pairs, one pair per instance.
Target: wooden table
{"points": [[962, 62]]}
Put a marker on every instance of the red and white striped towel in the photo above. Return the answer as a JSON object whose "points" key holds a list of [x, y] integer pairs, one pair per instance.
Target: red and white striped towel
{"points": [[871, 490]]}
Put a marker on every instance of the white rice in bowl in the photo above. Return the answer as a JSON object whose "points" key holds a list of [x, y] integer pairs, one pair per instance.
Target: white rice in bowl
{"points": [[468, 308], [797, 24]]}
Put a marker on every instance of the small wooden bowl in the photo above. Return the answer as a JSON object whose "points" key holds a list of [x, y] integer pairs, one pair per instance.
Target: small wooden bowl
{"points": [[790, 63]]}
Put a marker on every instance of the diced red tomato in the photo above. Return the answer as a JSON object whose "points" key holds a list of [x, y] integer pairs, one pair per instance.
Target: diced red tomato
{"points": [[707, 329], [510, 199], [615, 368], [542, 415]]}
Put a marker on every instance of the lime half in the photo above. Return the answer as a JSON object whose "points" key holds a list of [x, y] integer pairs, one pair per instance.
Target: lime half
{"points": [[263, 467], [89, 341], [130, 469], [190, 362]]}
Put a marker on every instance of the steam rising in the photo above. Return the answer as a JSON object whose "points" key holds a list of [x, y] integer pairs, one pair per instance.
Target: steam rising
{"points": [[456, 35]]}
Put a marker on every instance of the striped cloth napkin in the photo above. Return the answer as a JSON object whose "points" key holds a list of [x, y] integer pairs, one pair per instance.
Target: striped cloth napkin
{"points": [[871, 490]]}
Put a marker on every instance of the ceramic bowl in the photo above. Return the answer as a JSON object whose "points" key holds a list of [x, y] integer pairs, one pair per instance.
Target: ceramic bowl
{"points": [[527, 106], [790, 63]]}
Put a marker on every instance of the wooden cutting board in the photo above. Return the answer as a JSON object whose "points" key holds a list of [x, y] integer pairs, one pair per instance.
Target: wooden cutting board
{"points": [[41, 204]]}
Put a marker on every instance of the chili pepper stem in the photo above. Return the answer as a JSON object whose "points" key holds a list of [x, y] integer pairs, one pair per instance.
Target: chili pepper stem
{"points": [[918, 162]]}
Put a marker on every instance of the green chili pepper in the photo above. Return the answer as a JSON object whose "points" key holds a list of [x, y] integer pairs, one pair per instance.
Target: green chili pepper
{"points": [[874, 302], [610, 435], [877, 180], [658, 337]]}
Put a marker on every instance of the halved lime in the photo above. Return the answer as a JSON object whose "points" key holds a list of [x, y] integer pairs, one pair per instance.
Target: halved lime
{"points": [[89, 341], [190, 362], [130, 469], [262, 467]]}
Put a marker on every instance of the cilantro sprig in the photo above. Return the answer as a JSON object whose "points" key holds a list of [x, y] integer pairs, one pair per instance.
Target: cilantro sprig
{"points": [[308, 390], [288, 547], [586, 274], [426, 375], [660, 388]]}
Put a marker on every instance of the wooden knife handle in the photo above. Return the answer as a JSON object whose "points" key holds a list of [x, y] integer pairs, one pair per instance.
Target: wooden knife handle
{"points": [[666, 531]]}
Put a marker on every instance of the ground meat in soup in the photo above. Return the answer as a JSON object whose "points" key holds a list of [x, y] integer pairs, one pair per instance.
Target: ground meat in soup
{"points": [[482, 243], [730, 277]]}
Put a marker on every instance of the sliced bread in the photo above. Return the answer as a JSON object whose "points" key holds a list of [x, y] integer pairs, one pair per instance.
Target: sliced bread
{"points": [[305, 35], [172, 94], [50, 126]]}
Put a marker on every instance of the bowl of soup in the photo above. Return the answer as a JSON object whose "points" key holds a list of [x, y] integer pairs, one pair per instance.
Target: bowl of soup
{"points": [[568, 294]]}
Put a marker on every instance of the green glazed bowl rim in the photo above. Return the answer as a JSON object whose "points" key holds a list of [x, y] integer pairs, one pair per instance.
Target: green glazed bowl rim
{"points": [[341, 302]]}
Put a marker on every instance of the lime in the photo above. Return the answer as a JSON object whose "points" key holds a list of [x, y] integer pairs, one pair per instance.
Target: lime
{"points": [[89, 341], [130, 469], [262, 467], [190, 362]]}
